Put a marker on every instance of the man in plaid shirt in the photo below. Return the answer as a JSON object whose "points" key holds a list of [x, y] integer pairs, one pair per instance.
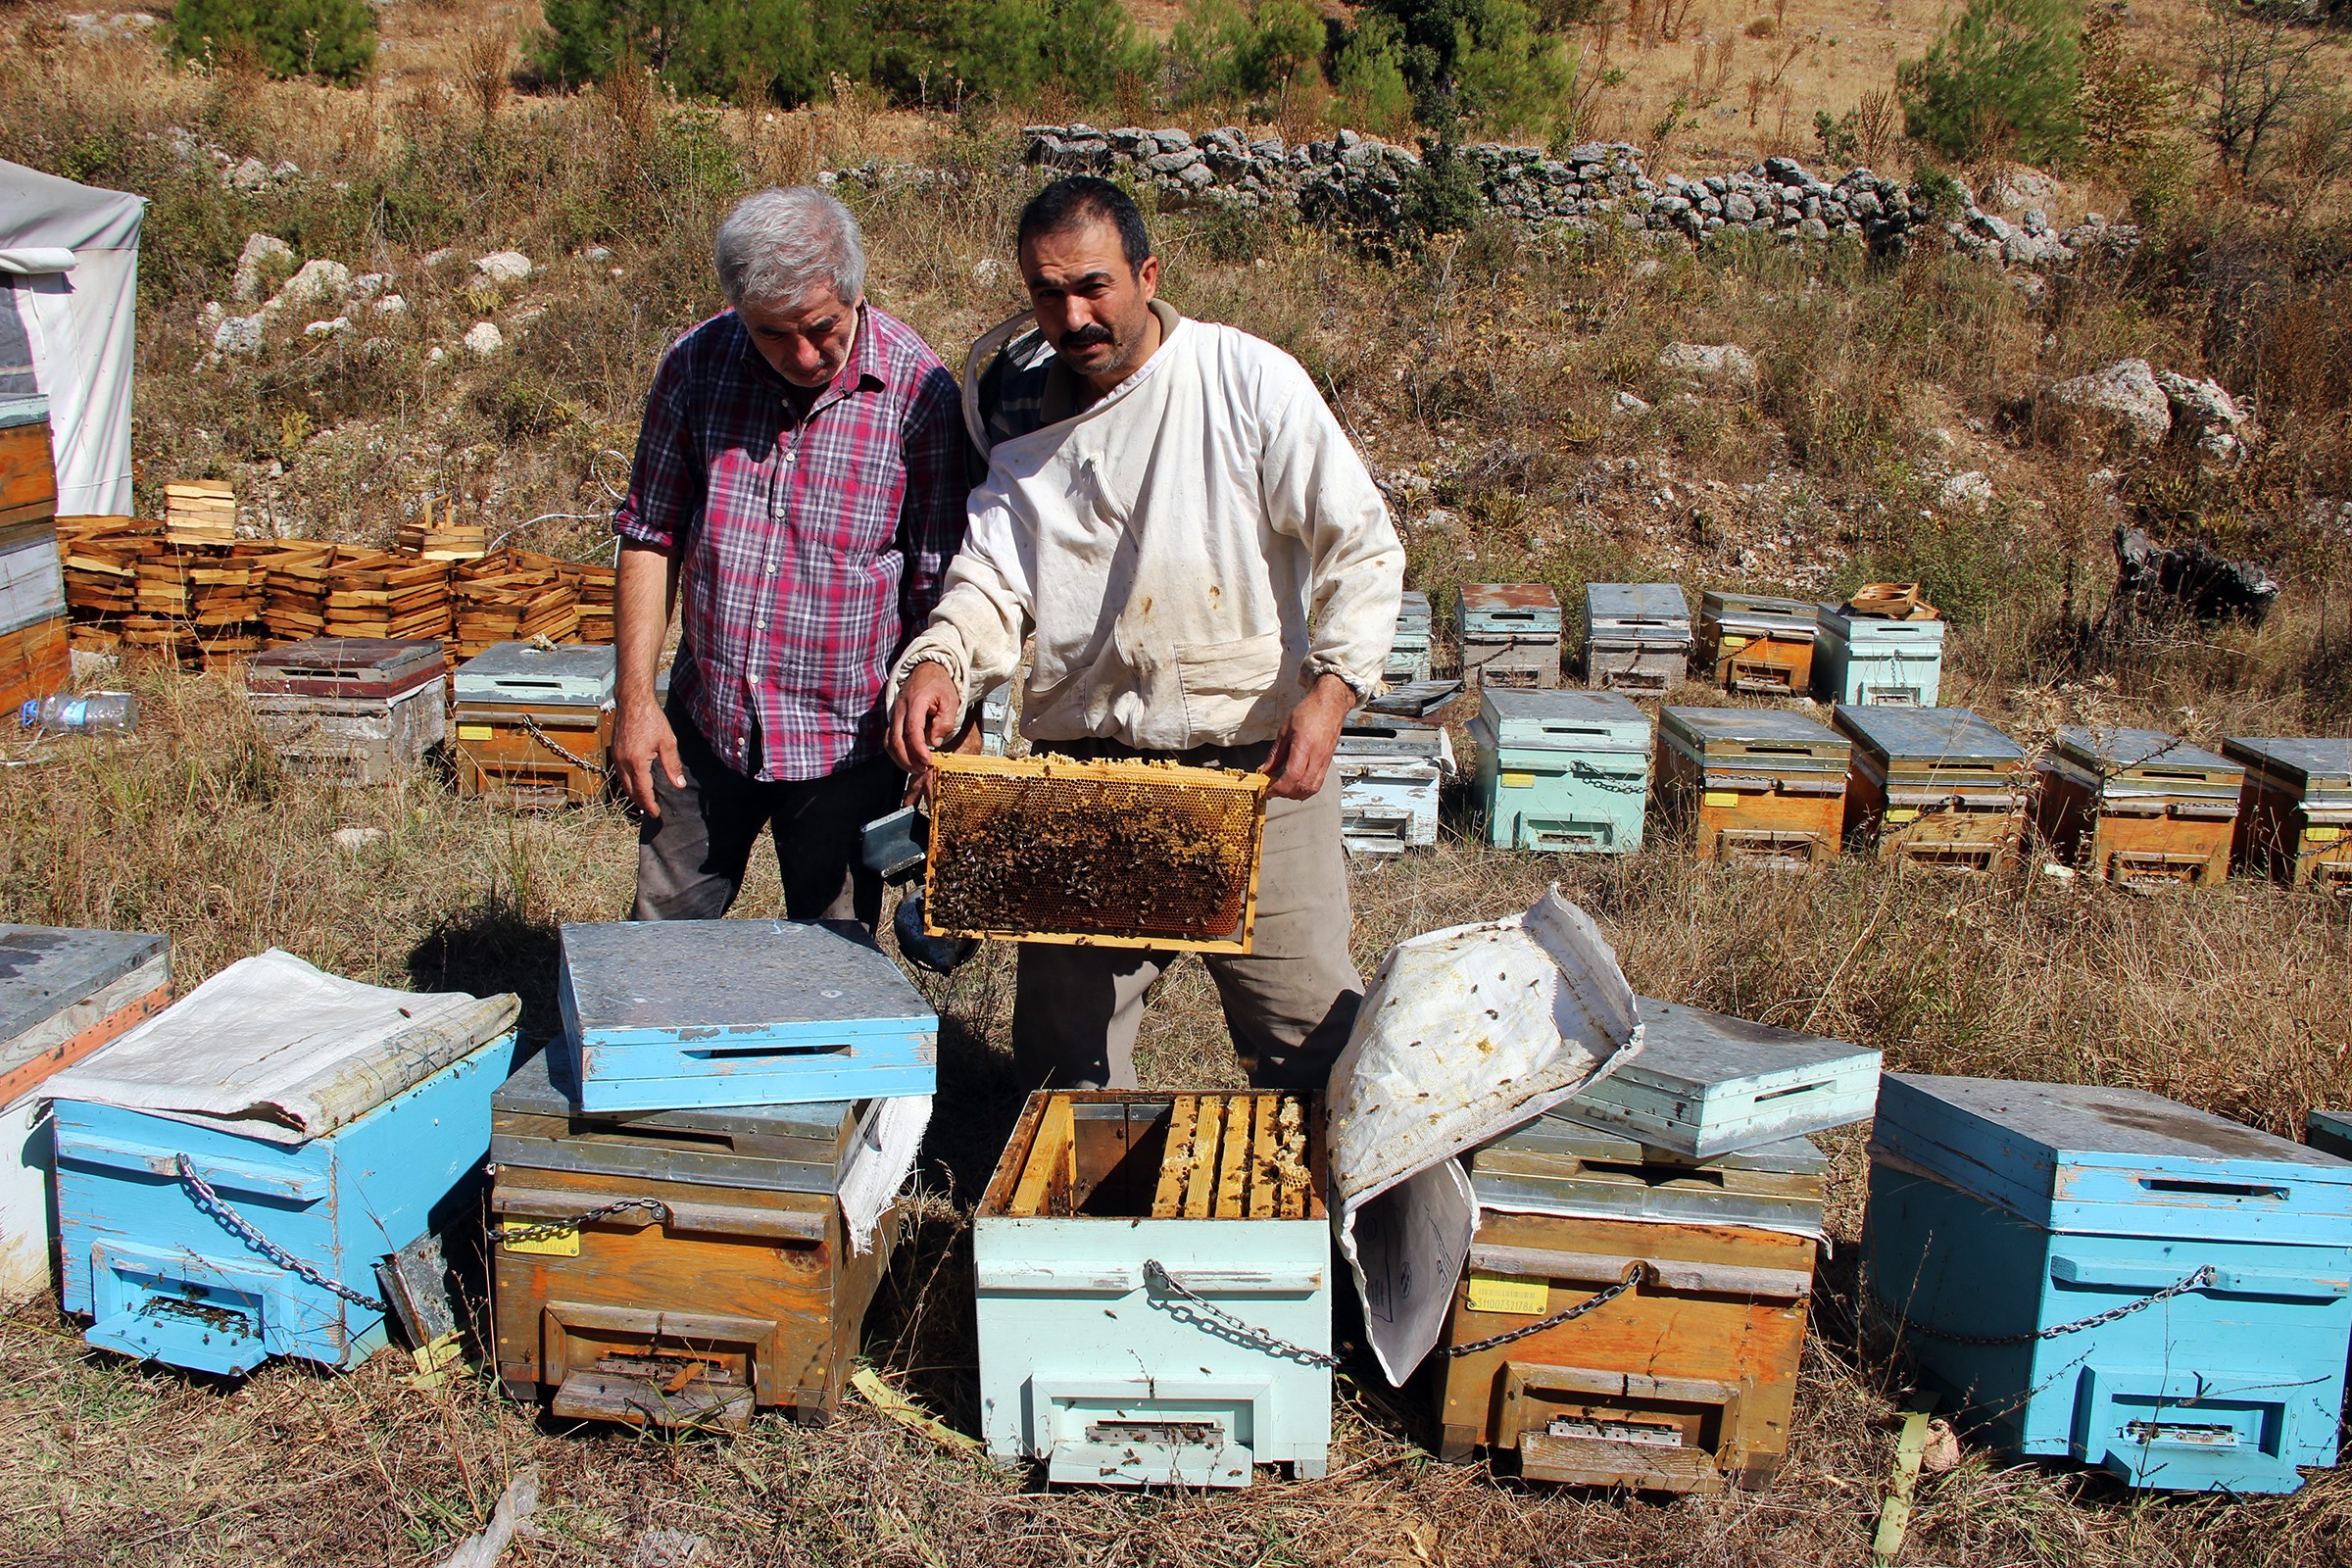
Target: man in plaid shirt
{"points": [[799, 485]]}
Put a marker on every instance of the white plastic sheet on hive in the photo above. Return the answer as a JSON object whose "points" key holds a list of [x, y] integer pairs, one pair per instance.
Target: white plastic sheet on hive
{"points": [[878, 1167], [1463, 1034]]}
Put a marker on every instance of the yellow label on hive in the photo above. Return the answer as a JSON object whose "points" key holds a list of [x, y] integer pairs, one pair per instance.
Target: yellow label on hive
{"points": [[1518, 781], [1902, 814], [1509, 1292], [473, 732], [1735, 642], [1720, 798], [2323, 835], [566, 1245]]}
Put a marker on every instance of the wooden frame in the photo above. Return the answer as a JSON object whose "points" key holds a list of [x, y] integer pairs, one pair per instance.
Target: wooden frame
{"points": [[1209, 1155], [962, 784]]}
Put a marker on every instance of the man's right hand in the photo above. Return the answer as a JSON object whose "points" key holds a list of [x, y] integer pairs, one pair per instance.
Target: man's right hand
{"points": [[642, 739], [928, 707]]}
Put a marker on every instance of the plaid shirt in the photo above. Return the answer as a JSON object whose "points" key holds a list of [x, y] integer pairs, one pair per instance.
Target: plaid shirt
{"points": [[810, 552]]}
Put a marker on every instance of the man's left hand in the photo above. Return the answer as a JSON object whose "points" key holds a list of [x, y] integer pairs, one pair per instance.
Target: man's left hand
{"points": [[1304, 746]]}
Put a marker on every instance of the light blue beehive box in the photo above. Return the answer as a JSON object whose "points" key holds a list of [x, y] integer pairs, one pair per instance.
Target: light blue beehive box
{"points": [[682, 1015], [1870, 660], [164, 1278], [2003, 1210], [1566, 771], [1408, 648], [1105, 1372]]}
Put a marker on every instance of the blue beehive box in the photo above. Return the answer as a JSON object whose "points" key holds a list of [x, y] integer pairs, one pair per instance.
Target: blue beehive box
{"points": [[334, 1167], [1409, 649], [2003, 1214], [1871, 659], [1562, 770], [675, 1014]]}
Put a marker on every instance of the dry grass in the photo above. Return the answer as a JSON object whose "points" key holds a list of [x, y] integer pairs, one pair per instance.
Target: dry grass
{"points": [[1479, 380]]}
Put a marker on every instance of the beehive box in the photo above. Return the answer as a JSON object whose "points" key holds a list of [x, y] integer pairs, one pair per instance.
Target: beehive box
{"points": [[1153, 1274], [664, 1014], [1139, 854], [1684, 1382], [32, 582], [1707, 1084], [2138, 807], [34, 661], [62, 994], [27, 473], [534, 727], [358, 711], [1388, 771], [1759, 785], [729, 1285], [1934, 786], [1637, 636], [1510, 634], [1410, 647], [1870, 661], [1756, 642], [1565, 771], [2294, 809], [169, 1273], [2007, 1218]]}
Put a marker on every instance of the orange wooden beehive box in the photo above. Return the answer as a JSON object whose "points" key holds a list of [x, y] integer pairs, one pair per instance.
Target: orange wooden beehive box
{"points": [[1760, 785], [2138, 807]]}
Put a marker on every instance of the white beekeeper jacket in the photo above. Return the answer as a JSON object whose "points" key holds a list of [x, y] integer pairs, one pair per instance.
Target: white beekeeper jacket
{"points": [[1193, 552]]}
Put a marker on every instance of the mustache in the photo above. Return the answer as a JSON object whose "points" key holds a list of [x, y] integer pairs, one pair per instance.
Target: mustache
{"points": [[1086, 337]]}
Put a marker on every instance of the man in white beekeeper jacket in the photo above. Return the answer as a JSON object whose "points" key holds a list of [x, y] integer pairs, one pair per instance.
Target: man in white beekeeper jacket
{"points": [[1211, 575]]}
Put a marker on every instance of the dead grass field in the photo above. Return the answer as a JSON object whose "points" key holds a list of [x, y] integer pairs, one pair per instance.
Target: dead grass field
{"points": [[1480, 379]]}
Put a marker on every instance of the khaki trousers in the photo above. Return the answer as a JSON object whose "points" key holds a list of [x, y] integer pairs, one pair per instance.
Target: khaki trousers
{"points": [[1289, 1003]]}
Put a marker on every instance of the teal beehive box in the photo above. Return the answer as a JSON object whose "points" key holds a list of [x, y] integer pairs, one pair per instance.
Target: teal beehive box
{"points": [[2107, 1276], [1153, 1283], [1562, 770], [1872, 661]]}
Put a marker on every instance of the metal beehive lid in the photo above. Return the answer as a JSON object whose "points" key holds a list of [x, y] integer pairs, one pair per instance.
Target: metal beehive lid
{"points": [[1509, 610], [1568, 721], [1366, 734], [700, 980], [1558, 1165], [1843, 623], [1615, 604], [45, 969], [1413, 608], [578, 676], [1766, 612], [33, 409], [2123, 752], [2317, 762], [344, 666], [1927, 734], [1733, 728], [2086, 1158]]}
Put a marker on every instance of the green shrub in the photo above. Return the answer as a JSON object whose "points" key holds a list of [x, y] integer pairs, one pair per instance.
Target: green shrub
{"points": [[1223, 50], [1514, 77], [1373, 94], [332, 40], [2003, 78]]}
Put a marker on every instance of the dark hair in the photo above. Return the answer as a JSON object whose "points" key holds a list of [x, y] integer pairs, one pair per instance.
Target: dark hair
{"points": [[1076, 199]]}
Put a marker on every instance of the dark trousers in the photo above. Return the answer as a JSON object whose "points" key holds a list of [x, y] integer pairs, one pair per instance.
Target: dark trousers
{"points": [[690, 860]]}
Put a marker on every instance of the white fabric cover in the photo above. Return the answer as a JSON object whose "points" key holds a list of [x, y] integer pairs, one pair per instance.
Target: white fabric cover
{"points": [[1463, 1035], [878, 1167], [273, 1048], [70, 266]]}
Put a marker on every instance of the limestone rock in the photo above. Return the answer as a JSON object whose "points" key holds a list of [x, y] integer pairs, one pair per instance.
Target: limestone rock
{"points": [[1629, 405], [1725, 365], [483, 339], [2124, 397], [2206, 415], [1965, 492], [238, 336], [391, 305], [327, 329], [319, 282], [264, 262]]}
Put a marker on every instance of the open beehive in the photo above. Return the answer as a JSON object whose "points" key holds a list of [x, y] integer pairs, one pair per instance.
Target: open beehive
{"points": [[1121, 853]]}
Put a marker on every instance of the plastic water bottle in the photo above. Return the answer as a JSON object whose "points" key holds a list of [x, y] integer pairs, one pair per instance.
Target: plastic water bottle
{"points": [[91, 713]]}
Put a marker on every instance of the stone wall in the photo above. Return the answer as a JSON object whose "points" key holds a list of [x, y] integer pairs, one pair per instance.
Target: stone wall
{"points": [[1358, 184]]}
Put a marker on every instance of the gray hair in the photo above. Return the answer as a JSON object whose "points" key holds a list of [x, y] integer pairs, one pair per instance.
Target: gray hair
{"points": [[777, 244]]}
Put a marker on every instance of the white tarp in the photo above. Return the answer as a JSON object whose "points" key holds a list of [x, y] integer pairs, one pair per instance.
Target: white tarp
{"points": [[1463, 1035], [878, 1167], [68, 295], [275, 1049]]}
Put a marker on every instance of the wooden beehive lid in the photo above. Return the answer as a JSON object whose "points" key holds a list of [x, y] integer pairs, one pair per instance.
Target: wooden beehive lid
{"points": [[2146, 758], [1706, 1084], [46, 969], [731, 983], [2086, 1157], [345, 667], [536, 1123], [1753, 737], [1766, 613], [1931, 735], [2318, 766]]}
